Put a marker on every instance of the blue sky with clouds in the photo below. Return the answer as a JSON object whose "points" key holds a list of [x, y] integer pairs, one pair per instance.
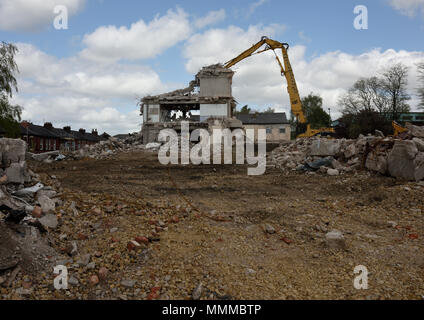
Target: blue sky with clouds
{"points": [[115, 51]]}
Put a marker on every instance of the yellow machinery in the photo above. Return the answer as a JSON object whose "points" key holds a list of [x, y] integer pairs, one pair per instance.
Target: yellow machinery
{"points": [[397, 128], [287, 71]]}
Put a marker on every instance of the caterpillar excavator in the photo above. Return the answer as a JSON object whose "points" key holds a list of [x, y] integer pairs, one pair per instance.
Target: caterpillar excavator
{"points": [[303, 129]]}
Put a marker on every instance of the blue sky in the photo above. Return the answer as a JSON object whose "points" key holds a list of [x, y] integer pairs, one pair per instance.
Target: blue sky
{"points": [[91, 74]]}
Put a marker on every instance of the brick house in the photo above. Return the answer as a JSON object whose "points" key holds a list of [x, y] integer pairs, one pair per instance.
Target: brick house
{"points": [[39, 139], [47, 138], [276, 125]]}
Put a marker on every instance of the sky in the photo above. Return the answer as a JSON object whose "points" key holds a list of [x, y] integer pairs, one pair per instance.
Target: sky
{"points": [[112, 52]]}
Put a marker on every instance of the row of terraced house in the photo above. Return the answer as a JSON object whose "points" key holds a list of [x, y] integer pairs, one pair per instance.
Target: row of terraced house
{"points": [[47, 138]]}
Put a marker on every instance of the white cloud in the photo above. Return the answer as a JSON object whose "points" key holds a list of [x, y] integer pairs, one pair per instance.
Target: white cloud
{"points": [[140, 41], [247, 10], [408, 7], [258, 82], [30, 15], [77, 92], [211, 18], [254, 6], [219, 45], [304, 37]]}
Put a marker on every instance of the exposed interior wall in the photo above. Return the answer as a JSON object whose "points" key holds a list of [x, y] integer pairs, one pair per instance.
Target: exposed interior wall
{"points": [[145, 113], [153, 114], [213, 110], [215, 87]]}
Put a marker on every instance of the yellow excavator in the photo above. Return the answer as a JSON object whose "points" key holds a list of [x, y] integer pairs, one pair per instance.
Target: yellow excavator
{"points": [[397, 128], [287, 71]]}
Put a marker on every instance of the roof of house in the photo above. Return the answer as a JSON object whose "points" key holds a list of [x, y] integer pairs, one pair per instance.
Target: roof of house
{"points": [[51, 132], [263, 118], [35, 130], [62, 134]]}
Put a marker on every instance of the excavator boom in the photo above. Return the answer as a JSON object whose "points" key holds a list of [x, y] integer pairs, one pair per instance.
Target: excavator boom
{"points": [[287, 71]]}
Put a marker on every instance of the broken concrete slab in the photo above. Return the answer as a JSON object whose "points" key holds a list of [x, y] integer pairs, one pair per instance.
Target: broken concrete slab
{"points": [[12, 150], [333, 172], [401, 160], [47, 204], [30, 190], [324, 147], [49, 221], [27, 246], [419, 166], [44, 156], [419, 143], [45, 192], [415, 131], [16, 172], [153, 146], [377, 163], [350, 151]]}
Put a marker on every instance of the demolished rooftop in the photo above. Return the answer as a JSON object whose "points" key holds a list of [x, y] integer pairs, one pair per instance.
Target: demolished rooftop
{"points": [[209, 94]]}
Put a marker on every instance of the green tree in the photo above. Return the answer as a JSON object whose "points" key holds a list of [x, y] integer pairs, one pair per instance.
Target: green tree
{"points": [[269, 110], [421, 84], [9, 114], [386, 94], [394, 83], [244, 110], [315, 114], [364, 122]]}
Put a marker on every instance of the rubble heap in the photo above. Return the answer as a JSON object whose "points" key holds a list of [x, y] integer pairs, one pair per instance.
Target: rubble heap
{"points": [[27, 210], [401, 157], [105, 149], [108, 148]]}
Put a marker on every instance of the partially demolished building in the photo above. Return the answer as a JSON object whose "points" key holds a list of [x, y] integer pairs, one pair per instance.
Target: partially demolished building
{"points": [[209, 95]]}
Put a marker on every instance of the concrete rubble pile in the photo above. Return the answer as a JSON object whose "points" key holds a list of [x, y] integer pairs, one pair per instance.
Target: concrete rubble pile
{"points": [[401, 157], [108, 148], [46, 157], [27, 211]]}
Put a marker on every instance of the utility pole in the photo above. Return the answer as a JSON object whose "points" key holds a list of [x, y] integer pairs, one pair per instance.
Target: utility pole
{"points": [[329, 113]]}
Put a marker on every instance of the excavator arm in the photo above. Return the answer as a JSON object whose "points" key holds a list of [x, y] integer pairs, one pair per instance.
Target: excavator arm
{"points": [[287, 71]]}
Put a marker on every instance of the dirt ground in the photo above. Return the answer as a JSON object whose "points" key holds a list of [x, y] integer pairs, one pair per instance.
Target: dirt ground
{"points": [[206, 226]]}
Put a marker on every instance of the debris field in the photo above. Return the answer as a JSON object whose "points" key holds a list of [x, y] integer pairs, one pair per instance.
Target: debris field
{"points": [[127, 227]]}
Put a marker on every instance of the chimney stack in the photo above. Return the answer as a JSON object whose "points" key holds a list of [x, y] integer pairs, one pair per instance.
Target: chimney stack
{"points": [[25, 123], [48, 125], [94, 132], [81, 131], [67, 129]]}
